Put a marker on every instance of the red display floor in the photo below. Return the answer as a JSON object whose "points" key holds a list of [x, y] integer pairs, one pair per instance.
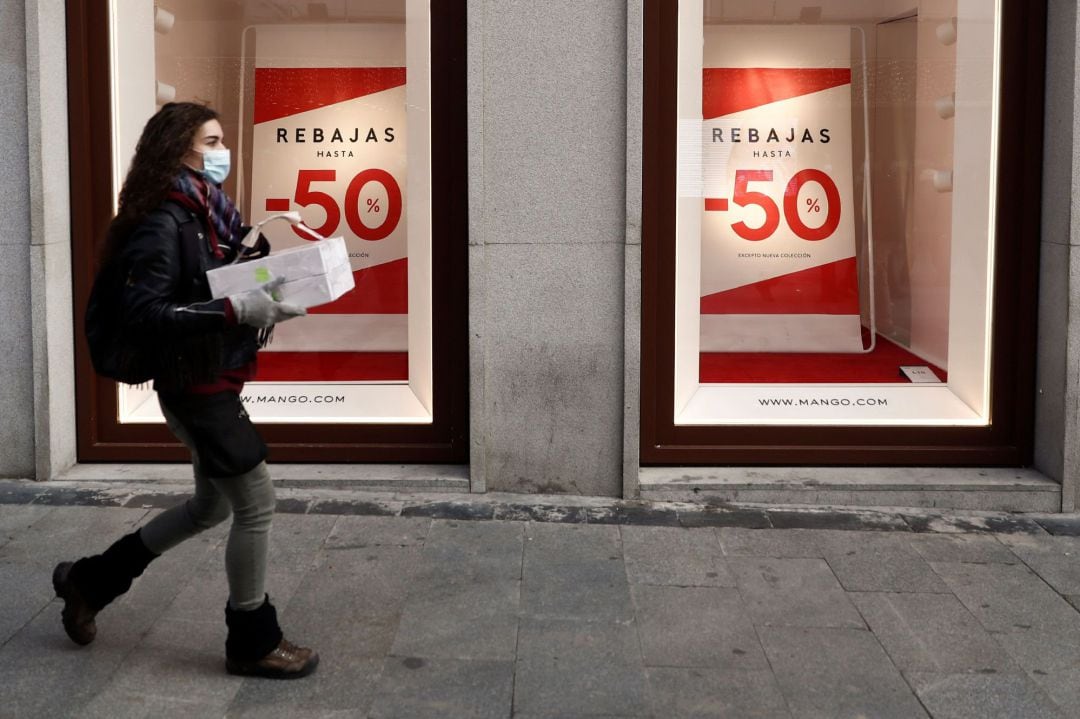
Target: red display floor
{"points": [[333, 367], [880, 366]]}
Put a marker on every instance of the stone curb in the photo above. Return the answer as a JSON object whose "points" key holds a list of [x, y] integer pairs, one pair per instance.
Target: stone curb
{"points": [[565, 509]]}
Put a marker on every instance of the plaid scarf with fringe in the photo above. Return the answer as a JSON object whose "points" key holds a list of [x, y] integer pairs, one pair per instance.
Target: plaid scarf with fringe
{"points": [[210, 201]]}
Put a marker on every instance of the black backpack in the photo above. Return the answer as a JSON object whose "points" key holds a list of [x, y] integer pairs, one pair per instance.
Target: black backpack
{"points": [[115, 352]]}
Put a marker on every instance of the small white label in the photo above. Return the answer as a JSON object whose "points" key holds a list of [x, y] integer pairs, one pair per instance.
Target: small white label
{"points": [[920, 375]]}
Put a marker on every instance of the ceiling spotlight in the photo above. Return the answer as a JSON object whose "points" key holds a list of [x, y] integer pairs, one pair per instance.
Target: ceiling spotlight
{"points": [[946, 106], [163, 20], [164, 93], [943, 180], [946, 32]]}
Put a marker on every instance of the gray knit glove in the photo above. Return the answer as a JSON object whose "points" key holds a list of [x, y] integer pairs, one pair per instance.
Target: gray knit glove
{"points": [[258, 308]]}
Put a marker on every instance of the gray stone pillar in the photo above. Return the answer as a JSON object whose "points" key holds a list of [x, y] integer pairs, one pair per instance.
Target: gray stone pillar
{"points": [[16, 354], [548, 111], [50, 233], [37, 405], [1057, 429]]}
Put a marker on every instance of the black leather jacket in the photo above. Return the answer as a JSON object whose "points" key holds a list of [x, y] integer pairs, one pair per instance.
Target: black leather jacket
{"points": [[166, 300]]}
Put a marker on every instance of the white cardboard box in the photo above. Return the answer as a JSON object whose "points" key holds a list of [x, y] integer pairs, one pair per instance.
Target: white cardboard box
{"points": [[316, 290], [315, 274]]}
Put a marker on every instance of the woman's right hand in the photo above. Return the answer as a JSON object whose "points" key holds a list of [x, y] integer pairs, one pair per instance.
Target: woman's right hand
{"points": [[258, 307]]}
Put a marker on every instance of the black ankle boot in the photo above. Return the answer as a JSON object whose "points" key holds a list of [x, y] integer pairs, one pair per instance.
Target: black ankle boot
{"points": [[90, 584], [256, 647]]}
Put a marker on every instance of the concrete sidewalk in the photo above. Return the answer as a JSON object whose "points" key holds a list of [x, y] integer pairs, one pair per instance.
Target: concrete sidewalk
{"points": [[417, 616]]}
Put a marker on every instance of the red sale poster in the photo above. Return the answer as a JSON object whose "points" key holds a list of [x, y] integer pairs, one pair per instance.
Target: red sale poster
{"points": [[778, 245], [329, 141]]}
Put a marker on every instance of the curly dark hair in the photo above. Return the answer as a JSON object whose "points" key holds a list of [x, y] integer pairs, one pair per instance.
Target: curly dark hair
{"points": [[158, 161]]}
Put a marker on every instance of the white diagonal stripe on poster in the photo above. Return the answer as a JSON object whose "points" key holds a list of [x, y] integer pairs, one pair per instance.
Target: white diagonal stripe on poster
{"points": [[342, 333]]}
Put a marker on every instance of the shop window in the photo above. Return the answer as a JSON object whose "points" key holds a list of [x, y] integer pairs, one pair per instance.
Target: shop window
{"points": [[329, 110], [834, 252]]}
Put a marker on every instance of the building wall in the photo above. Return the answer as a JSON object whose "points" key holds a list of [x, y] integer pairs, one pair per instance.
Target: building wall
{"points": [[555, 132]]}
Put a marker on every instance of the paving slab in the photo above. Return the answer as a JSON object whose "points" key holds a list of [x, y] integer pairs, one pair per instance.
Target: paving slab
{"points": [[793, 592], [70, 532], [19, 518], [1050, 660], [342, 685], [574, 572], [837, 674], [461, 621], [295, 540], [598, 591], [359, 532], [179, 659], [780, 543], [576, 668], [368, 586], [696, 627], [1010, 598], [27, 590], [980, 696], [118, 704], [677, 557], [47, 675], [549, 547], [415, 688], [456, 552], [875, 562], [932, 633], [715, 694], [1055, 559], [1062, 686], [969, 548]]}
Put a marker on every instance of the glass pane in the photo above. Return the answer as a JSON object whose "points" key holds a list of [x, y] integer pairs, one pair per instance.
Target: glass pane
{"points": [[836, 196], [325, 106]]}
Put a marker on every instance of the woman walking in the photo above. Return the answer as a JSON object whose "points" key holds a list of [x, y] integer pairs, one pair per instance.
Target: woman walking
{"points": [[175, 223]]}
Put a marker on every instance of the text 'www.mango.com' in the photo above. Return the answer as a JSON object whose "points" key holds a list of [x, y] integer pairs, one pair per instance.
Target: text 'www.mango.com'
{"points": [[294, 399], [826, 402]]}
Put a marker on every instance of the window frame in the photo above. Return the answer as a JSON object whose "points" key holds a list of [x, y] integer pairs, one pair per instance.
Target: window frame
{"points": [[101, 438], [1007, 440]]}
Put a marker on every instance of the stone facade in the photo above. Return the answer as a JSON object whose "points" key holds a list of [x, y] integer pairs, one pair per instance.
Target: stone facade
{"points": [[555, 176]]}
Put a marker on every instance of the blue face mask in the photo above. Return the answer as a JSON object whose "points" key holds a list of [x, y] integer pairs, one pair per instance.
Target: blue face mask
{"points": [[216, 165]]}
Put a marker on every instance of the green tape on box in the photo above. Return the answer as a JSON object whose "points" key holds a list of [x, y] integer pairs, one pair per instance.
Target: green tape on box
{"points": [[262, 276]]}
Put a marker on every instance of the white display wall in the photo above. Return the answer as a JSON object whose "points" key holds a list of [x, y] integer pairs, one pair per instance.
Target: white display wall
{"points": [[943, 221], [347, 145]]}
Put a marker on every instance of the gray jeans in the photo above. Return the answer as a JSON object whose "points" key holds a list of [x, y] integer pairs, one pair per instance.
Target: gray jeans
{"points": [[250, 499]]}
